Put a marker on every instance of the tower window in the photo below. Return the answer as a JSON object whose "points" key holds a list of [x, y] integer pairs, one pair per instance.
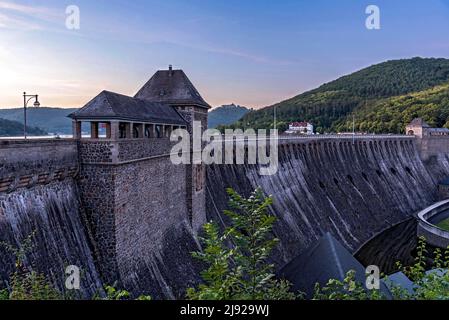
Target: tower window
{"points": [[122, 130]]}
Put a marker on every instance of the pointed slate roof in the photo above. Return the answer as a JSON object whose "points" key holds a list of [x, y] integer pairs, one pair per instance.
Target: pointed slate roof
{"points": [[172, 87], [113, 106], [319, 263], [419, 122]]}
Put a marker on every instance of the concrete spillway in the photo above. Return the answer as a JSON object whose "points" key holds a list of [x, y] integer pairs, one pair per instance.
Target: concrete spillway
{"points": [[52, 214], [354, 191]]}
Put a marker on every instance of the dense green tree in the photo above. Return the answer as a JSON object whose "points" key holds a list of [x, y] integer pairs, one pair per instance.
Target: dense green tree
{"points": [[237, 266]]}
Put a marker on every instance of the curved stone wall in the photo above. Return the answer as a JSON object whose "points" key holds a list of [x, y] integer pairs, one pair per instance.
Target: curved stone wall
{"points": [[434, 236]]}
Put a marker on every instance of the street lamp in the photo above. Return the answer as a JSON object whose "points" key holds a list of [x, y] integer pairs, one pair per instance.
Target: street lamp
{"points": [[26, 99]]}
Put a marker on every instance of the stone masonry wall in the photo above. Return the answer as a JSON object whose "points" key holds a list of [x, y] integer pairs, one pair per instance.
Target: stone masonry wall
{"points": [[150, 214], [108, 151], [142, 148], [96, 183], [96, 152], [137, 209]]}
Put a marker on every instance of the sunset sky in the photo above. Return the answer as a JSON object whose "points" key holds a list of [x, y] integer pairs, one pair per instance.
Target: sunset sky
{"points": [[252, 53]]}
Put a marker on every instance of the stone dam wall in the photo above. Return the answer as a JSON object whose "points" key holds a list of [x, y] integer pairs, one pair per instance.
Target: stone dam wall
{"points": [[353, 190], [39, 199], [54, 187]]}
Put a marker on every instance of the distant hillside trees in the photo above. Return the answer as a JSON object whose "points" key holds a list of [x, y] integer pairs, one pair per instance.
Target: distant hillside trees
{"points": [[52, 120], [393, 114], [367, 92]]}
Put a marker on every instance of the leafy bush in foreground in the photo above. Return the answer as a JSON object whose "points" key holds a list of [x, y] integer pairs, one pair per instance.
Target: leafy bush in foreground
{"points": [[428, 286], [236, 259]]}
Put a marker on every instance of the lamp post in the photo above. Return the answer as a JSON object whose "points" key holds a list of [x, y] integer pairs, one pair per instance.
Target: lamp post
{"points": [[26, 99]]}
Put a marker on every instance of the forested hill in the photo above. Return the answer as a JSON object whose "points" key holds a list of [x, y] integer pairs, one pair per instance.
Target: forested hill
{"points": [[367, 94], [15, 129], [225, 115], [52, 120], [393, 114]]}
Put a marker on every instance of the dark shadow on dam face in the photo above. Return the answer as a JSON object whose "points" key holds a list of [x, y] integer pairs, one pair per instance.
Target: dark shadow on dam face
{"points": [[365, 197], [392, 245]]}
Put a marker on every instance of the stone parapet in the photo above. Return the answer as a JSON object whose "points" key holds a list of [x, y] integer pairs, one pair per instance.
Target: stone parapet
{"points": [[101, 151], [27, 163]]}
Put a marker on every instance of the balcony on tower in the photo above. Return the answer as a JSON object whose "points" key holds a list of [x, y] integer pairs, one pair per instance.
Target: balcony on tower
{"points": [[122, 128]]}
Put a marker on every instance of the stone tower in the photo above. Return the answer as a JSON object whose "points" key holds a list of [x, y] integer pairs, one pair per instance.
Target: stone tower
{"points": [[418, 127], [136, 200], [174, 88]]}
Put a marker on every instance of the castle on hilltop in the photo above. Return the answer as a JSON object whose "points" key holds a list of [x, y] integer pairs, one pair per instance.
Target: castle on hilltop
{"points": [[131, 192]]}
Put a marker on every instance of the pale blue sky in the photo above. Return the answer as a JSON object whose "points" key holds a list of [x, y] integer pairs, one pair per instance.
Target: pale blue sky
{"points": [[253, 53]]}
